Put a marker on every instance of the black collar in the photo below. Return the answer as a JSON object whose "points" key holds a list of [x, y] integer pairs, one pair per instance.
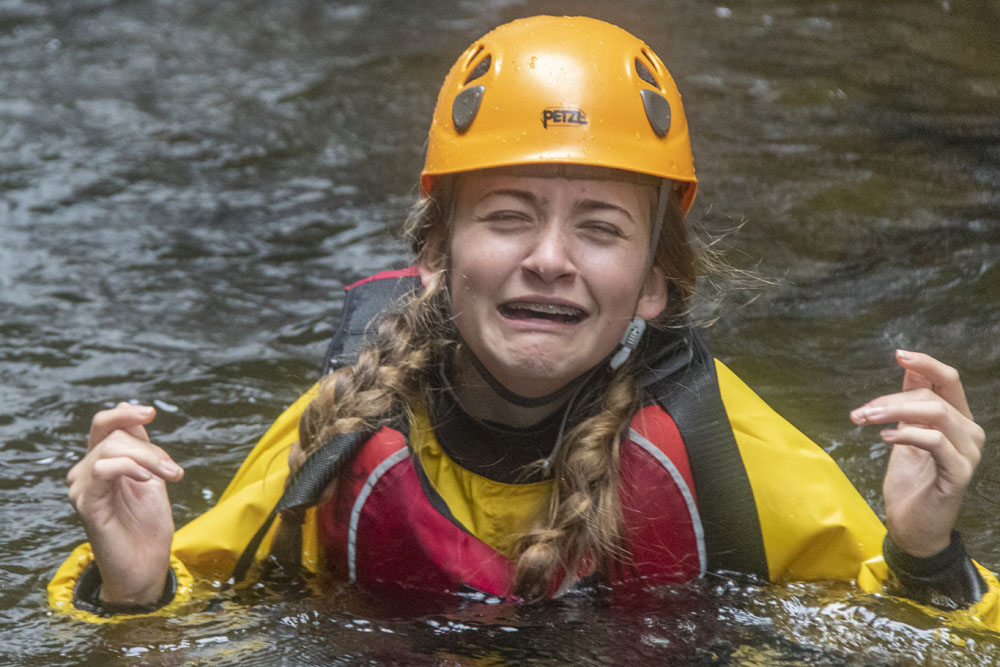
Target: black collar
{"points": [[493, 450]]}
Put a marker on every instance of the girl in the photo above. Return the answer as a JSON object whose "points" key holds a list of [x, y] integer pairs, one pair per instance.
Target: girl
{"points": [[529, 408]]}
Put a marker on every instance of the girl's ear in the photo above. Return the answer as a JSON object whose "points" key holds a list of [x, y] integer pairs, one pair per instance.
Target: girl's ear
{"points": [[653, 298], [431, 260]]}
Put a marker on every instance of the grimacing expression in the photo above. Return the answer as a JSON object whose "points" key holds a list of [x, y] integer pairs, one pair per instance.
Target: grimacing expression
{"points": [[547, 272]]}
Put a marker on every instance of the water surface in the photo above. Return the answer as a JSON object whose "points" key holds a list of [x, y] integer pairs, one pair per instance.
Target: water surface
{"points": [[186, 187]]}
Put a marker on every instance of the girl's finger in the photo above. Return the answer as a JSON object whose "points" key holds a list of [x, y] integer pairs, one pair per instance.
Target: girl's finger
{"points": [[918, 407], [111, 470], [954, 464], [123, 417], [924, 371], [922, 409], [145, 454]]}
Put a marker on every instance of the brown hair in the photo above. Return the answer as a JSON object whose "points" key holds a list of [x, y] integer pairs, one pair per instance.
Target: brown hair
{"points": [[581, 527]]}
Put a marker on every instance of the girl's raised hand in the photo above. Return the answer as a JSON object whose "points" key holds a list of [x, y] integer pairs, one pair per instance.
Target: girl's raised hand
{"points": [[119, 492], [936, 447]]}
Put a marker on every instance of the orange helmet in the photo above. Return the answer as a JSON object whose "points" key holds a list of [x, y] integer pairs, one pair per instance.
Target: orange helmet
{"points": [[562, 90]]}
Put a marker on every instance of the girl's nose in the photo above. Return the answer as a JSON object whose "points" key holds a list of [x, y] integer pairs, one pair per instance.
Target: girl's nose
{"points": [[550, 259]]}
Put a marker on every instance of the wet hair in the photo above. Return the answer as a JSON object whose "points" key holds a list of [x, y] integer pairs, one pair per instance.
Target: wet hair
{"points": [[580, 529]]}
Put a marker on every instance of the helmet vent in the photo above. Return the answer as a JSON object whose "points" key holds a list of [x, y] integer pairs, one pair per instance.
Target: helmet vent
{"points": [[466, 106], [472, 56], [657, 111], [480, 70], [645, 74]]}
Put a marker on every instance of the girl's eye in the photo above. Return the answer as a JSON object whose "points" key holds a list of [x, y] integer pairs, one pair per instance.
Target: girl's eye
{"points": [[604, 230], [505, 215]]}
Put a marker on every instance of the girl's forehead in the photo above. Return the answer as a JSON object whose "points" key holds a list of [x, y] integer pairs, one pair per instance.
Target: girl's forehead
{"points": [[568, 171], [566, 180]]}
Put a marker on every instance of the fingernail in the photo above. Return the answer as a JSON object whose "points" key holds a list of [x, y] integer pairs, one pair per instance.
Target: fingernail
{"points": [[170, 468], [874, 413], [903, 354], [889, 434], [867, 414], [145, 411]]}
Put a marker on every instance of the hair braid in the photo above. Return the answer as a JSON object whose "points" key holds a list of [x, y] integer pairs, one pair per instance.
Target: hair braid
{"points": [[391, 374], [583, 527]]}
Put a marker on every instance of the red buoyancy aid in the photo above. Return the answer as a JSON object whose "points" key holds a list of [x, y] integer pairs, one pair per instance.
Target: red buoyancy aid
{"points": [[381, 530]]}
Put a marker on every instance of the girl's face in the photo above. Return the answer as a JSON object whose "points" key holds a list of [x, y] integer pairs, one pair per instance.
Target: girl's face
{"points": [[546, 273]]}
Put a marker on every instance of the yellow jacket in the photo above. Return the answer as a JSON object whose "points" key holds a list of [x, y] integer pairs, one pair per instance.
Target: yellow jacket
{"points": [[814, 523]]}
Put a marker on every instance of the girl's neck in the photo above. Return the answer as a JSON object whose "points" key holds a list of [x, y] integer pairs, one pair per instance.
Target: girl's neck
{"points": [[479, 399]]}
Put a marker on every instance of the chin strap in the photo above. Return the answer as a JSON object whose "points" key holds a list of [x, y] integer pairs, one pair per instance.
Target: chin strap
{"points": [[631, 338], [662, 199], [518, 400]]}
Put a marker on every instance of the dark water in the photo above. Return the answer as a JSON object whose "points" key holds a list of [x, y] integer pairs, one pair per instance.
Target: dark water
{"points": [[185, 188]]}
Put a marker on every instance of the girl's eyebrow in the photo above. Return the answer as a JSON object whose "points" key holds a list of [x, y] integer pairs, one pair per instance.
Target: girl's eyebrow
{"points": [[526, 196]]}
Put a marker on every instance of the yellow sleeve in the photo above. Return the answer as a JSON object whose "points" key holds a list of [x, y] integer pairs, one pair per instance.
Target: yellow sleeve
{"points": [[209, 546], [814, 522], [63, 584]]}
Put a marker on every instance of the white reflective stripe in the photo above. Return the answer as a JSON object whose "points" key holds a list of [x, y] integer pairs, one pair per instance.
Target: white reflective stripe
{"points": [[352, 532], [665, 461]]}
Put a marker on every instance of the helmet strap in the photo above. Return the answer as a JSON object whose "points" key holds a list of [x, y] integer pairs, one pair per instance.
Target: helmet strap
{"points": [[633, 333], [656, 225], [515, 398]]}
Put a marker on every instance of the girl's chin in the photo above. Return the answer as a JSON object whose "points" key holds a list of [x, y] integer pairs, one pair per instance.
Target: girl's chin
{"points": [[534, 366], [535, 376]]}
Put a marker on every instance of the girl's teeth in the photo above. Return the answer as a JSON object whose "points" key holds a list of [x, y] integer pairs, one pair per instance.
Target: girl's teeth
{"points": [[549, 311]]}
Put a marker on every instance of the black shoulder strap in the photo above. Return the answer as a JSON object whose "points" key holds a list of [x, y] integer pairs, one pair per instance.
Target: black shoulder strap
{"points": [[685, 384], [304, 489], [365, 303]]}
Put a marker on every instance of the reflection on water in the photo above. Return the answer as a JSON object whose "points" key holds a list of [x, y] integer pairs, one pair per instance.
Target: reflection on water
{"points": [[185, 188]]}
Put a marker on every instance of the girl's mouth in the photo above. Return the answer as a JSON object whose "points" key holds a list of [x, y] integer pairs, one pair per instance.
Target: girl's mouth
{"points": [[524, 310]]}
